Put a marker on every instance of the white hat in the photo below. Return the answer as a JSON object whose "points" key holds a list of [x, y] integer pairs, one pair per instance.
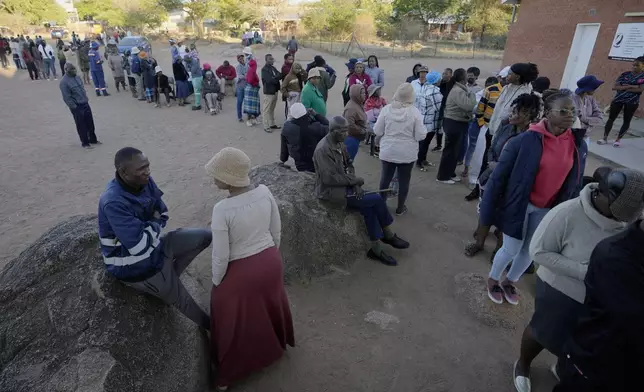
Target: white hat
{"points": [[297, 110], [157, 69], [504, 72], [314, 73], [247, 50], [135, 50], [230, 166]]}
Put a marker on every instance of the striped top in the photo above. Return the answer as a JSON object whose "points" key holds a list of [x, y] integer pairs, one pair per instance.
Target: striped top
{"points": [[487, 103]]}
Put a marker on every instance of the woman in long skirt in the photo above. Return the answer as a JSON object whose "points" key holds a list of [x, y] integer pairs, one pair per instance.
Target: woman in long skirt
{"points": [[181, 81], [251, 94], [251, 317]]}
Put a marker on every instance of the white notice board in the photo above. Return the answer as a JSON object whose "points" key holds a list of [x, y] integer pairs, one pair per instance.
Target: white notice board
{"points": [[628, 43]]}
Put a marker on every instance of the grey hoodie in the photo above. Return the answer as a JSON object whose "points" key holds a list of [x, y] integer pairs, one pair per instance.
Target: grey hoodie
{"points": [[565, 239]]}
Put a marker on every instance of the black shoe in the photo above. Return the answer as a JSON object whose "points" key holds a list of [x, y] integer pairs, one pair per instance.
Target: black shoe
{"points": [[98, 93], [437, 148], [96, 142], [274, 127], [142, 99], [401, 211], [531, 269], [473, 195], [105, 93], [196, 108], [396, 242], [383, 258]]}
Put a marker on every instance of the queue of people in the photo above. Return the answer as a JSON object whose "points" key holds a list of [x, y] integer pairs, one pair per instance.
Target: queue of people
{"points": [[528, 150]]}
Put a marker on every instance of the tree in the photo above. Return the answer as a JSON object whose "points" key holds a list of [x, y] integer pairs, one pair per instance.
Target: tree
{"points": [[487, 16], [34, 11], [426, 10], [337, 17], [236, 12], [123, 13], [197, 10]]}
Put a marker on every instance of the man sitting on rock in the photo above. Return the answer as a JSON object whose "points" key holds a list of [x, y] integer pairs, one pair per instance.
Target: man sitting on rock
{"points": [[131, 217], [300, 134], [336, 182]]}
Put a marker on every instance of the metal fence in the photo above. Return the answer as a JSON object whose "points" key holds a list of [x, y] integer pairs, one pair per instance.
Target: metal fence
{"points": [[397, 49]]}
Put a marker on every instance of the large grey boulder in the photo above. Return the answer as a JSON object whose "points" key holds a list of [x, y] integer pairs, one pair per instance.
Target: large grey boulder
{"points": [[316, 236], [66, 325]]}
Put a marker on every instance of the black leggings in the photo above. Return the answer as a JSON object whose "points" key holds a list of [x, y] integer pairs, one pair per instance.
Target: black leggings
{"points": [[404, 177], [615, 109], [454, 133], [33, 71]]}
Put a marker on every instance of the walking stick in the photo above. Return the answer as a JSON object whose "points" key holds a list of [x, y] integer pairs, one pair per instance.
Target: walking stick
{"points": [[372, 192]]}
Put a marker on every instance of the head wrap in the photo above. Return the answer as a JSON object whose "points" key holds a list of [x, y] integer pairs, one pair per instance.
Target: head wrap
{"points": [[433, 77]]}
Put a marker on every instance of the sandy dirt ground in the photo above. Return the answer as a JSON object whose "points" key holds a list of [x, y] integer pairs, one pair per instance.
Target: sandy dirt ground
{"points": [[372, 328]]}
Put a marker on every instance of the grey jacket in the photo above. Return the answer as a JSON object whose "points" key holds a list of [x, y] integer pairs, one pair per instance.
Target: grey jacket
{"points": [[460, 104], [376, 74], [73, 91], [115, 62], [326, 83], [333, 171]]}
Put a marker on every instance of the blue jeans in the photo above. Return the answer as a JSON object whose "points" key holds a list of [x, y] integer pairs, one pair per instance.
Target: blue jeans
{"points": [[352, 146], [240, 102], [472, 137], [50, 67], [375, 213], [515, 250]]}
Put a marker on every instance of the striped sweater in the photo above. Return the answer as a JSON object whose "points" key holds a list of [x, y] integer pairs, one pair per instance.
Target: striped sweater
{"points": [[129, 228], [486, 105]]}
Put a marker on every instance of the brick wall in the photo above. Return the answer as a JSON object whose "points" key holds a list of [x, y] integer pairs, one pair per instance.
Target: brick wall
{"points": [[544, 31]]}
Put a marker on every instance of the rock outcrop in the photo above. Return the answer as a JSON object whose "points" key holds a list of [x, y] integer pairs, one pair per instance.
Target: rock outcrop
{"points": [[66, 325], [315, 235]]}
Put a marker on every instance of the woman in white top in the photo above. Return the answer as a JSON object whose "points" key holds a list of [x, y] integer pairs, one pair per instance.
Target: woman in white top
{"points": [[398, 130], [519, 81], [562, 246], [250, 313]]}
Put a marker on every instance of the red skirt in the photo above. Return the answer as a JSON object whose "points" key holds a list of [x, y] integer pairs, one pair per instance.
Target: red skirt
{"points": [[251, 318]]}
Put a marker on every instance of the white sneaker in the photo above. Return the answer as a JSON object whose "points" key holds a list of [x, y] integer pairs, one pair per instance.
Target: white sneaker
{"points": [[456, 179], [448, 182], [522, 384], [249, 123]]}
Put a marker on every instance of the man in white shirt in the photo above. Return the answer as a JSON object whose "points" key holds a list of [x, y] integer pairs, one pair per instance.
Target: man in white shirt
{"points": [[15, 49], [49, 59]]}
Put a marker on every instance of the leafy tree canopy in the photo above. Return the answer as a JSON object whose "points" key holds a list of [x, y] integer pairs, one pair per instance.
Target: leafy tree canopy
{"points": [[34, 11]]}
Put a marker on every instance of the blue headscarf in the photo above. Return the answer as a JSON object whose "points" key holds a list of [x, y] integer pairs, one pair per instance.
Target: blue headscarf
{"points": [[433, 77]]}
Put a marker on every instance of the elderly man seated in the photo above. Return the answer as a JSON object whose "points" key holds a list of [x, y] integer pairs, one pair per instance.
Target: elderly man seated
{"points": [[300, 135], [336, 182], [226, 74]]}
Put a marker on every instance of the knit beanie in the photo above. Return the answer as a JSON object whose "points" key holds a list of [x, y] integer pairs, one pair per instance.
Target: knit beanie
{"points": [[230, 166], [405, 94], [629, 203]]}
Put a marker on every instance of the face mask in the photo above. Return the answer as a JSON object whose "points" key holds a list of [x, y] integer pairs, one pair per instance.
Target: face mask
{"points": [[471, 80]]}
